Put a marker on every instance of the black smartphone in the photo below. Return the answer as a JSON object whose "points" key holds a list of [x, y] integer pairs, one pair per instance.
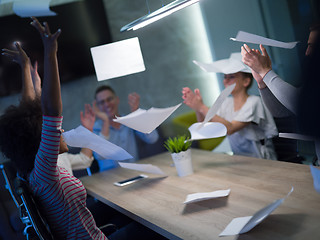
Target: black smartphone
{"points": [[130, 180]]}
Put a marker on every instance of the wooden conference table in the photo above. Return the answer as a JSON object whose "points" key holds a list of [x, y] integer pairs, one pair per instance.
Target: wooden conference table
{"points": [[158, 202]]}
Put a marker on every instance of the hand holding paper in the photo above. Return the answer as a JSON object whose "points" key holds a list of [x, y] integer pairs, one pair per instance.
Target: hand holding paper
{"points": [[82, 137], [146, 120]]}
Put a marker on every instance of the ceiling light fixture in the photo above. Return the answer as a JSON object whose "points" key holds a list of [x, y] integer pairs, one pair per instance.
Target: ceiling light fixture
{"points": [[158, 14]]}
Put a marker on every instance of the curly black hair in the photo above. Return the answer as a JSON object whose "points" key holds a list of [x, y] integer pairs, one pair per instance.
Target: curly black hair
{"points": [[20, 134]]}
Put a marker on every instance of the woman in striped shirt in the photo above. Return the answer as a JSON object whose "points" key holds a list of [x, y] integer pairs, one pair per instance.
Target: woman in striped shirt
{"points": [[34, 149]]}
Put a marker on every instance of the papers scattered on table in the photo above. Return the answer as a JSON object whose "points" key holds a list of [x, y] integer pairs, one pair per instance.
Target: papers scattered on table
{"points": [[82, 137], [149, 168], [316, 178], [117, 59], [230, 65], [217, 104], [256, 39], [29, 8], [196, 197], [245, 224], [209, 130], [146, 120], [296, 136]]}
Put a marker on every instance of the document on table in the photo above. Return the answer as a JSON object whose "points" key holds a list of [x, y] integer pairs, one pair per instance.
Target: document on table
{"points": [[245, 224], [230, 65], [82, 137], [209, 130], [217, 104], [117, 59], [316, 177], [197, 197], [35, 8], [256, 39], [146, 120], [148, 168]]}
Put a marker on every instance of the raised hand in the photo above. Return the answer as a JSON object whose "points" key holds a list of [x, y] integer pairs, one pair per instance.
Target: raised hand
{"points": [[36, 80], [49, 40], [19, 56], [88, 117], [260, 62], [134, 101], [192, 99]]}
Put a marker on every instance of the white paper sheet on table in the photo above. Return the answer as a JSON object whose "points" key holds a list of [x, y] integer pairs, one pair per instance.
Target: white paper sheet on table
{"points": [[245, 224], [82, 137], [196, 197], [229, 65], [315, 172], [256, 39], [217, 104], [146, 120], [148, 168], [35, 8], [117, 59], [209, 130]]}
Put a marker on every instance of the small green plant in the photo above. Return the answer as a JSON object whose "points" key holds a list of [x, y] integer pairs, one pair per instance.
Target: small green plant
{"points": [[177, 144]]}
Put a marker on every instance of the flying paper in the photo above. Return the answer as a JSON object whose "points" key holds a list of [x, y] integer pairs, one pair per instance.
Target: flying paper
{"points": [[233, 64], [256, 39], [217, 104], [209, 130], [245, 224], [35, 8], [196, 197], [117, 59], [82, 137], [146, 120], [149, 168]]}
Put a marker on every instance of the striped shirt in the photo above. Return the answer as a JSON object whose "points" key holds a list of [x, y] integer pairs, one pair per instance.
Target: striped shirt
{"points": [[62, 196]]}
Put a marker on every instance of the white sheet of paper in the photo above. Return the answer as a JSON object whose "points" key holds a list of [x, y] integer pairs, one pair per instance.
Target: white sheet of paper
{"points": [[117, 59], [29, 8], [315, 172], [82, 137], [196, 197], [146, 120], [230, 65], [245, 224], [296, 136], [217, 104], [209, 130], [148, 168], [256, 39]]}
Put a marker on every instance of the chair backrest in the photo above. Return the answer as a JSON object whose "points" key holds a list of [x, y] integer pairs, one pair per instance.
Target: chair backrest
{"points": [[37, 219], [9, 174]]}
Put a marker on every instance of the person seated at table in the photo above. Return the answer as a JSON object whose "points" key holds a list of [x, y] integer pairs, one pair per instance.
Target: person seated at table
{"points": [[106, 109], [250, 126]]}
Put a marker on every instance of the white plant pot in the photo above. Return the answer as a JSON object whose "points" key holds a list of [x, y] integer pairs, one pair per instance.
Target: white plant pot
{"points": [[183, 163]]}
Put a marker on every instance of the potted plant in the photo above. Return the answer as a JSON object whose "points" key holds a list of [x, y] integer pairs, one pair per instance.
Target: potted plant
{"points": [[179, 147]]}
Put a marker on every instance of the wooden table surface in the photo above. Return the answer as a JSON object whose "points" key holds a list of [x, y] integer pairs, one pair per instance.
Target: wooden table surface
{"points": [[158, 202]]}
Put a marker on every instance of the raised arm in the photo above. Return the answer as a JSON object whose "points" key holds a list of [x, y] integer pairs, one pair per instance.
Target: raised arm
{"points": [[19, 56], [194, 101], [51, 93], [134, 101], [87, 120]]}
